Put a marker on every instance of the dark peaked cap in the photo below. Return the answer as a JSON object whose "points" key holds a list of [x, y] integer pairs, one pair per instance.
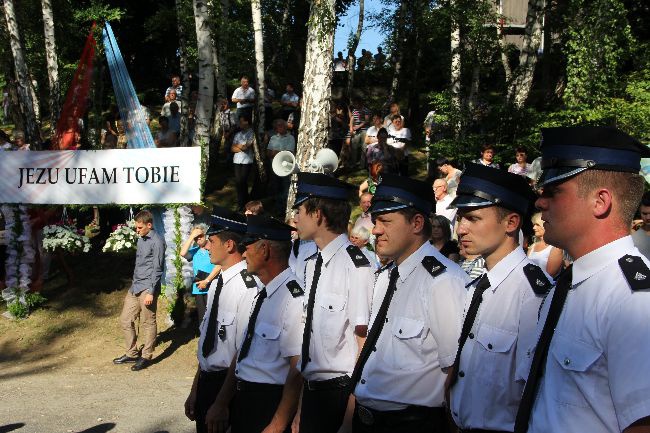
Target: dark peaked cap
{"points": [[482, 186], [568, 151], [266, 227], [224, 219], [322, 186], [398, 192]]}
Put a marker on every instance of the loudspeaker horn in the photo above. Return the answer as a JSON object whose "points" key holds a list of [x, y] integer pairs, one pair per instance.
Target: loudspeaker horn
{"points": [[325, 161], [284, 164]]}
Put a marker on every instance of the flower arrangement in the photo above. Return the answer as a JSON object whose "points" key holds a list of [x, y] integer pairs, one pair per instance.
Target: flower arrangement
{"points": [[123, 239], [65, 237], [19, 257]]}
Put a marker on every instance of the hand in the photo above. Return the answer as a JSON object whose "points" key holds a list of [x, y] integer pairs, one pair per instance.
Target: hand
{"points": [[189, 406], [203, 284], [450, 373], [273, 427], [295, 424], [196, 233], [216, 419], [148, 299]]}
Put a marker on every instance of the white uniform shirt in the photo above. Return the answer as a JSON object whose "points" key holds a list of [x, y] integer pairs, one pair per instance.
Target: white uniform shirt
{"points": [[278, 334], [488, 394], [420, 336], [297, 263], [341, 303], [240, 93], [596, 375], [232, 316]]}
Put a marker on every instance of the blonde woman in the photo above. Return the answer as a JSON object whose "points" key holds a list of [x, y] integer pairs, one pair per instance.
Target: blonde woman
{"points": [[546, 256]]}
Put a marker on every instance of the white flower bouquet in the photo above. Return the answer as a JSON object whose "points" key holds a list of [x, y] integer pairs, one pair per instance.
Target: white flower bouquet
{"points": [[66, 238], [123, 239]]}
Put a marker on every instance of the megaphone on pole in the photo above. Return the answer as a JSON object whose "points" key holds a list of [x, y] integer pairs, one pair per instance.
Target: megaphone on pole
{"points": [[325, 161], [284, 164]]}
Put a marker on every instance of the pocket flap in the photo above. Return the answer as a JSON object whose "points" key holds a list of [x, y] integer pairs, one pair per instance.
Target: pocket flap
{"points": [[403, 327], [267, 331], [332, 302], [226, 318], [495, 339], [573, 354]]}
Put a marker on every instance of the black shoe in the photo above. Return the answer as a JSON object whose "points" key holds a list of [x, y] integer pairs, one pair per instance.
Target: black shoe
{"points": [[140, 364], [124, 359]]}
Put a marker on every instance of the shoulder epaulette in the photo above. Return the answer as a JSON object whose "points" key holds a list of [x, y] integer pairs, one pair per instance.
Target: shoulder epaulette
{"points": [[537, 279], [295, 289], [636, 272], [358, 257], [433, 266], [248, 279]]}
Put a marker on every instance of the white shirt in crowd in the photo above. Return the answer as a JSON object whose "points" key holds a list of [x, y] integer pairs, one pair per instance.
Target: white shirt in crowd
{"points": [[341, 303], [232, 318], [277, 335], [240, 93], [487, 395], [420, 336], [372, 132], [399, 139], [595, 376], [298, 263], [442, 208], [388, 121], [245, 157]]}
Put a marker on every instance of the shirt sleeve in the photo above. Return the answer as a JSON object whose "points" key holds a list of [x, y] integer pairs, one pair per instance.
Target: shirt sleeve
{"points": [[157, 262], [236, 94], [527, 332], [273, 144], [445, 309], [292, 328], [191, 252], [360, 284]]}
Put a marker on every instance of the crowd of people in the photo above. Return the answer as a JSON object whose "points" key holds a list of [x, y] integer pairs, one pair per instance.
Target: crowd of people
{"points": [[383, 324]]}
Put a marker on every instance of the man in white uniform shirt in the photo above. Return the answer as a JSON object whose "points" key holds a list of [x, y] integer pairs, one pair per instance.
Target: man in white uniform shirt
{"points": [[501, 308], [338, 280], [589, 368], [262, 387], [418, 301], [226, 315]]}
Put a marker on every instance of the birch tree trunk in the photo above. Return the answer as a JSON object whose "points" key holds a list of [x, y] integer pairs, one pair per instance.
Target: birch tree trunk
{"points": [[502, 47], [217, 48], [203, 112], [353, 49], [520, 87], [256, 10], [455, 71], [282, 43], [23, 81], [397, 54], [185, 76], [314, 113], [52, 60]]}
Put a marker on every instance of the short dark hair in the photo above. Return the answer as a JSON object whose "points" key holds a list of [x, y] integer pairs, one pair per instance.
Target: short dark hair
{"points": [[487, 147], [382, 130], [244, 77], [255, 207], [410, 212], [521, 149], [645, 200], [336, 212], [442, 161], [144, 216], [232, 236], [283, 248]]}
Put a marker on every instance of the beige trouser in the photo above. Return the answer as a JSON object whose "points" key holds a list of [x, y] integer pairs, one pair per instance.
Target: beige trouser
{"points": [[133, 309]]}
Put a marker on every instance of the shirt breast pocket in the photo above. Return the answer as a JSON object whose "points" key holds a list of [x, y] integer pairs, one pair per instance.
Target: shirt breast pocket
{"points": [[570, 364], [496, 359], [405, 352], [332, 314], [266, 346]]}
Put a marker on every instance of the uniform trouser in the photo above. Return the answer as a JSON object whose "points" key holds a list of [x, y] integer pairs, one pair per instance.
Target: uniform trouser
{"points": [[207, 389], [133, 309], [253, 407], [414, 419], [323, 407], [358, 149]]}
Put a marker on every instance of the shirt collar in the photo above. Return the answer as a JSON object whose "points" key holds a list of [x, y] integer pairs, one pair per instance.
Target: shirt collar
{"points": [[331, 248], [415, 259], [591, 263], [505, 267], [233, 270], [278, 281]]}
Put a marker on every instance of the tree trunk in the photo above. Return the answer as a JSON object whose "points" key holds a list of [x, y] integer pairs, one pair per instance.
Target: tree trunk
{"points": [[203, 112], [502, 47], [455, 72], [353, 49], [397, 52], [523, 80], [314, 113], [282, 43], [185, 95], [472, 100], [52, 60], [217, 50], [256, 10], [24, 84]]}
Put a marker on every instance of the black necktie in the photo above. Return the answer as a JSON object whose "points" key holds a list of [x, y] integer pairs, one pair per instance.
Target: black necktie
{"points": [[541, 352], [209, 340], [482, 285], [295, 248], [306, 335], [246, 346], [375, 329]]}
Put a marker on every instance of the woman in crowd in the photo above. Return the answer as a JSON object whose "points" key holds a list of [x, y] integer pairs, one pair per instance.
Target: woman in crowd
{"points": [[441, 238], [450, 173], [544, 255]]}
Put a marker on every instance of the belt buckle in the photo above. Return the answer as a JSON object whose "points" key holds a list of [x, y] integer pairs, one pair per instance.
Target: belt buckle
{"points": [[238, 386], [309, 387], [365, 415]]}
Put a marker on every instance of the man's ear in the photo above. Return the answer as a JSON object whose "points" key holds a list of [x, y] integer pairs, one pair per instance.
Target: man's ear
{"points": [[602, 202], [417, 223], [512, 222]]}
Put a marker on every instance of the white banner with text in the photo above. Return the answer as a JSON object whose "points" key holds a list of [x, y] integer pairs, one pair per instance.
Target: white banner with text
{"points": [[120, 176]]}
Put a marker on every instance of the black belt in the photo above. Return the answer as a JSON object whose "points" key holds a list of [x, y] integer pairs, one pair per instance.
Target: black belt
{"points": [[243, 385], [369, 416], [213, 374], [478, 430], [319, 385]]}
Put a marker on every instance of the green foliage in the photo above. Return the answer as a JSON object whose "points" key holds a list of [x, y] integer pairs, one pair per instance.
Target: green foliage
{"points": [[98, 11], [34, 300], [18, 309]]}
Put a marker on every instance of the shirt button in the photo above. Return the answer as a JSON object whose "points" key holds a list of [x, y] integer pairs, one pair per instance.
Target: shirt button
{"points": [[386, 319], [461, 374], [400, 331], [264, 335], [471, 335], [567, 361], [330, 307], [374, 349], [363, 381], [490, 346], [236, 371]]}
